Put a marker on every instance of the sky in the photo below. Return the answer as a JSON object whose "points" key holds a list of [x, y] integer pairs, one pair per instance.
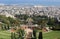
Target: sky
{"points": [[32, 2]]}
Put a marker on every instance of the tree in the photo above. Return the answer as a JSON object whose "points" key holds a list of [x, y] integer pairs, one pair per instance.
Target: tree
{"points": [[20, 33], [14, 22], [29, 20], [42, 24], [22, 16]]}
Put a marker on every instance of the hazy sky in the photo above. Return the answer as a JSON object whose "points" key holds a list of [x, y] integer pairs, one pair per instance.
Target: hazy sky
{"points": [[32, 2]]}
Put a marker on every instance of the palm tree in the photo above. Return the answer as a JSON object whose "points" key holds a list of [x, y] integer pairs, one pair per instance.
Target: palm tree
{"points": [[29, 20]]}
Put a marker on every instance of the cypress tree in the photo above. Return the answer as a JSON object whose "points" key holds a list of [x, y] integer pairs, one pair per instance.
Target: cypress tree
{"points": [[34, 34], [40, 35]]}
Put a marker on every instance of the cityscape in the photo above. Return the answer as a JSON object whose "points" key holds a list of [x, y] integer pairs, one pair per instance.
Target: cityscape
{"points": [[29, 19]]}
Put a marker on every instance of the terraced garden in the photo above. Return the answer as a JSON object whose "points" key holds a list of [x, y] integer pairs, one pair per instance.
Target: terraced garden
{"points": [[52, 35], [49, 35], [5, 35]]}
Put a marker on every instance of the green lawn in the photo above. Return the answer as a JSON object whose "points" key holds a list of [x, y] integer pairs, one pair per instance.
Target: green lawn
{"points": [[5, 35], [52, 35], [49, 35]]}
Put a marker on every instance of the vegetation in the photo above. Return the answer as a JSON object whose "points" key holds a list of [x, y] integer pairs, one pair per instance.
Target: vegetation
{"points": [[7, 22], [52, 35], [5, 35], [44, 20], [18, 34]]}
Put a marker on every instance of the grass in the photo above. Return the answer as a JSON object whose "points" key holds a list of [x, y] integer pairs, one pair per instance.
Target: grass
{"points": [[52, 35], [49, 35], [5, 35]]}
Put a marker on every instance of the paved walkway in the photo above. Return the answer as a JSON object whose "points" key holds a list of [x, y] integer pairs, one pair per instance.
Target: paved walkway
{"points": [[28, 33]]}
